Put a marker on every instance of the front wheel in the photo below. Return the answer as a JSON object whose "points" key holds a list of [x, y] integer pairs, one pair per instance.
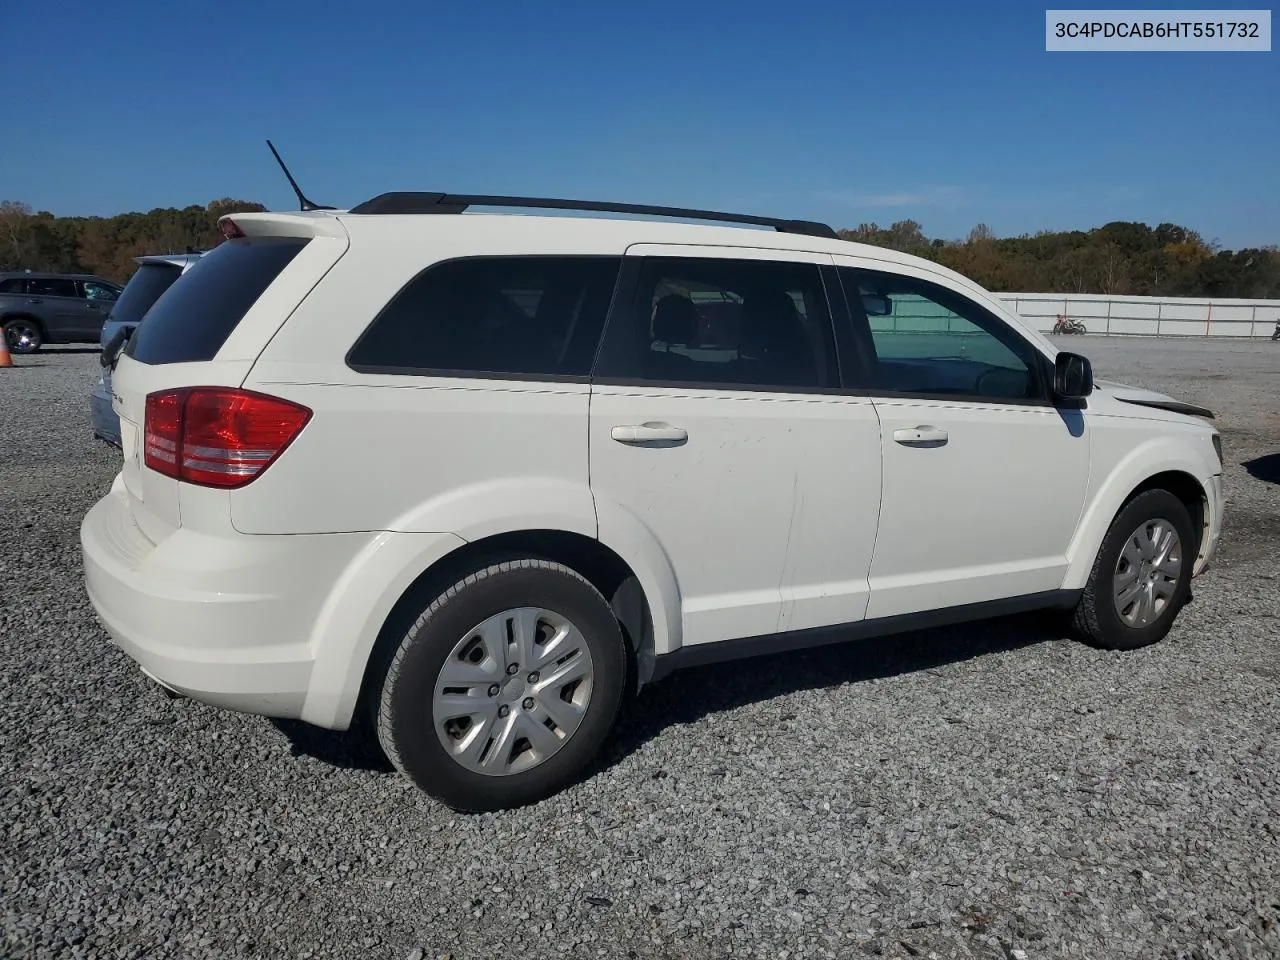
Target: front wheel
{"points": [[505, 688], [1142, 575]]}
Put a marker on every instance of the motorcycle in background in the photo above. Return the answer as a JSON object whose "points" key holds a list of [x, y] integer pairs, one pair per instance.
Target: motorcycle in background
{"points": [[1065, 325]]}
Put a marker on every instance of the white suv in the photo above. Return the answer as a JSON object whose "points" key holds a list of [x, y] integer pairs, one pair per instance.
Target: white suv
{"points": [[478, 477]]}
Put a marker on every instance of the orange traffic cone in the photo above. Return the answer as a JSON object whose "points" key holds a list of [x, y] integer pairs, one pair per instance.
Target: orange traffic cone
{"points": [[6, 358]]}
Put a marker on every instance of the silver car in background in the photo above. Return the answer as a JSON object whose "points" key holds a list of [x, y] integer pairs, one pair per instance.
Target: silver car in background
{"points": [[154, 276]]}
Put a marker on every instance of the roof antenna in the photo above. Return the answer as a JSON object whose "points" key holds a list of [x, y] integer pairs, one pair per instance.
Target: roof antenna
{"points": [[303, 202]]}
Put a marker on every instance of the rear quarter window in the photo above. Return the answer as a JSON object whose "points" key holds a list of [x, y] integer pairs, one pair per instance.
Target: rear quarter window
{"points": [[519, 316], [192, 320]]}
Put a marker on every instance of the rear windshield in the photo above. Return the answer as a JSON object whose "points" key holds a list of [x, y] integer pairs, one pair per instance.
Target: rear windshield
{"points": [[142, 290], [192, 319]]}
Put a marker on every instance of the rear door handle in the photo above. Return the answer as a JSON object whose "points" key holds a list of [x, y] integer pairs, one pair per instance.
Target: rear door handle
{"points": [[649, 433], [922, 436], [35, 300]]}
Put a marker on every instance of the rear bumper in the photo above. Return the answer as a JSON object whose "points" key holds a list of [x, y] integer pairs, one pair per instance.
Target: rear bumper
{"points": [[275, 625], [222, 620]]}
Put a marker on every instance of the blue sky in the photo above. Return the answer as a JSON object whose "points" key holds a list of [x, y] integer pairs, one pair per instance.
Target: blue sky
{"points": [[950, 114]]}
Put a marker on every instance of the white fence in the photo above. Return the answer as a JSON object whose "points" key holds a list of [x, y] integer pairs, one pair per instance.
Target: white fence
{"points": [[1150, 316]]}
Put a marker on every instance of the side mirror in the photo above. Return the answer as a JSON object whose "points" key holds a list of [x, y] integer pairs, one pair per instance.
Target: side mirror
{"points": [[1072, 376], [876, 305]]}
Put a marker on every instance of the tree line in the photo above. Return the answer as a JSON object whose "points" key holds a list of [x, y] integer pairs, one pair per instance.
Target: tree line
{"points": [[1116, 258], [106, 246]]}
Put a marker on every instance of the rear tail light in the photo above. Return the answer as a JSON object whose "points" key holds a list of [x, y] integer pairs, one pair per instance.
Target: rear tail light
{"points": [[217, 436]]}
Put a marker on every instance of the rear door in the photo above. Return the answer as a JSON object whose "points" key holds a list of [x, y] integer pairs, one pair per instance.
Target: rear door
{"points": [[207, 331], [719, 426], [99, 297]]}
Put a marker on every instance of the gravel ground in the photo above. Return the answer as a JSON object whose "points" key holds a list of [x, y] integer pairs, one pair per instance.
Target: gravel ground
{"points": [[994, 791]]}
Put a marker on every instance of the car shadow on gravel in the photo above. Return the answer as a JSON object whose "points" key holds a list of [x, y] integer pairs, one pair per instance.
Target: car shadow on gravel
{"points": [[693, 694], [353, 749], [698, 692], [1265, 468]]}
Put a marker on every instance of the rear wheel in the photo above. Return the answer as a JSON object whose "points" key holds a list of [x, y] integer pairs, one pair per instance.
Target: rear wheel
{"points": [[1142, 575], [505, 688], [23, 335]]}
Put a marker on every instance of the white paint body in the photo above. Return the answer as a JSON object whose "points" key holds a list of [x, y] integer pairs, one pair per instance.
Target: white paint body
{"points": [[782, 511]]}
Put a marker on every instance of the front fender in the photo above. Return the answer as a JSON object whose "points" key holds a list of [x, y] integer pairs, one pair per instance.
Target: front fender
{"points": [[1163, 454]]}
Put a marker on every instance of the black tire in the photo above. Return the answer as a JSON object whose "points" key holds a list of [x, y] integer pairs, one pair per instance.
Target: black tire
{"points": [[405, 719], [1096, 620], [23, 335]]}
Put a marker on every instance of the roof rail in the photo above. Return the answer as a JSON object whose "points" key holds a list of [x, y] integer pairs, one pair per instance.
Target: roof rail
{"points": [[457, 203]]}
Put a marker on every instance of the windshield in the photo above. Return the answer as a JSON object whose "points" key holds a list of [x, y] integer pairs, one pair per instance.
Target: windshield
{"points": [[142, 290]]}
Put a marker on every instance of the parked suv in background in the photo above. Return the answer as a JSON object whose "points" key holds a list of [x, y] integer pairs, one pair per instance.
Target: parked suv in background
{"points": [[40, 308], [479, 476], [153, 277]]}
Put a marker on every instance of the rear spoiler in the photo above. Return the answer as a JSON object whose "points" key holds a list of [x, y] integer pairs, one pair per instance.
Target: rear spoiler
{"points": [[300, 224]]}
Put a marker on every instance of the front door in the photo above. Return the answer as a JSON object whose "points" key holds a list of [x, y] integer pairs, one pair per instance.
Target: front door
{"points": [[984, 479], [98, 298], [719, 429]]}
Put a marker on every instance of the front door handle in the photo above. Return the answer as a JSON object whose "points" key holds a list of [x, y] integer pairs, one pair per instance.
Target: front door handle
{"points": [[656, 434], [35, 300], [922, 436]]}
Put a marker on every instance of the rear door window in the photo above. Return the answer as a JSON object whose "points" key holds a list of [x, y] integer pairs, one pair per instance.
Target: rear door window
{"points": [[144, 289], [728, 324], [520, 316], [51, 287], [192, 320]]}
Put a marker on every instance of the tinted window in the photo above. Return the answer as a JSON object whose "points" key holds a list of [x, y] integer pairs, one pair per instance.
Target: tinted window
{"points": [[100, 291], [520, 315], [144, 289], [746, 323], [931, 340], [192, 319], [51, 287], [13, 285]]}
